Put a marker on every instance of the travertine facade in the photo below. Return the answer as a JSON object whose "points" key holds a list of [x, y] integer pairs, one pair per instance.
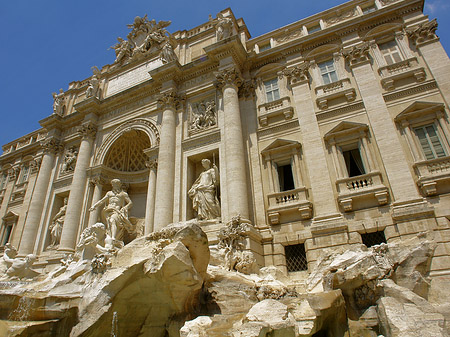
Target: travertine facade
{"points": [[322, 131]]}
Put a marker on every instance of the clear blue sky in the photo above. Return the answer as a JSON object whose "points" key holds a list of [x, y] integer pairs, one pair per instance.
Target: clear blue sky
{"points": [[47, 44]]}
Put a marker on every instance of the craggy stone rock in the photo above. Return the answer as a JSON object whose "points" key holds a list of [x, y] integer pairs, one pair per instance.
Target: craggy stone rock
{"points": [[196, 328]]}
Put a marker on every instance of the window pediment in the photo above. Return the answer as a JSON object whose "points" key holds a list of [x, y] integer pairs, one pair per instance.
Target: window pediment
{"points": [[271, 68], [327, 49], [280, 145], [420, 110], [346, 129], [10, 216], [382, 30]]}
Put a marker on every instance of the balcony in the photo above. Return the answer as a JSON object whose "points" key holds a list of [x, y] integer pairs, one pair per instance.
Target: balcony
{"points": [[363, 189], [330, 91], [434, 175], [292, 204], [401, 70], [277, 110]]}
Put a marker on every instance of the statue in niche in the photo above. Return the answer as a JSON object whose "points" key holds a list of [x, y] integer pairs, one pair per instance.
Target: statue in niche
{"points": [[224, 27], [204, 115], [93, 88], [56, 226], [204, 192], [122, 49], [117, 204], [58, 102], [70, 159]]}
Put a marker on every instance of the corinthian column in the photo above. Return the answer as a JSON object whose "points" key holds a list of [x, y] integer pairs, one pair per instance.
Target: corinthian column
{"points": [[150, 204], [50, 146], [96, 196], [168, 102], [77, 192], [229, 81]]}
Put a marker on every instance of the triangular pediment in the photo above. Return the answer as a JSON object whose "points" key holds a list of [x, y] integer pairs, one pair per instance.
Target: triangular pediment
{"points": [[345, 128], [419, 108], [280, 145], [10, 216]]}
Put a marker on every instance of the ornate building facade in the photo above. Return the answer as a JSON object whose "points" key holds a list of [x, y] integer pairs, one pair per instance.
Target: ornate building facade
{"points": [[329, 132]]}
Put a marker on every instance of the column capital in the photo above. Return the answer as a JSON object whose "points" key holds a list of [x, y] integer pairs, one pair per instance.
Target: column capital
{"points": [[87, 130], [170, 100], [51, 145], [35, 164], [247, 89], [152, 164], [297, 74], [426, 32], [228, 77], [357, 55]]}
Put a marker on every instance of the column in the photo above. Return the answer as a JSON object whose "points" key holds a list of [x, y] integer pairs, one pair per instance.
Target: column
{"points": [[336, 159], [78, 187], [168, 102], [51, 146], [314, 151], [384, 131], [229, 81], [150, 203], [365, 146], [434, 55], [96, 196]]}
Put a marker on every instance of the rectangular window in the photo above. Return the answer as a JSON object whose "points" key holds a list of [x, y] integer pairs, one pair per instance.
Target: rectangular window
{"points": [[264, 47], [285, 177], [2, 181], [391, 52], [272, 90], [314, 29], [296, 257], [353, 162], [328, 72], [372, 239], [24, 175], [7, 234], [430, 142], [369, 9]]}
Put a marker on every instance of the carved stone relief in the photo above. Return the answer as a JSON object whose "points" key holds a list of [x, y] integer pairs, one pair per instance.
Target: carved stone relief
{"points": [[203, 115], [70, 159]]}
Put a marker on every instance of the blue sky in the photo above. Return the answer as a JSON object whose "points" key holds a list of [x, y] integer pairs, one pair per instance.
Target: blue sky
{"points": [[47, 44]]}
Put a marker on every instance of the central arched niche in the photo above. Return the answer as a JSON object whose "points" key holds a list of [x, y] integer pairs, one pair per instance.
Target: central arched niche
{"points": [[126, 157]]}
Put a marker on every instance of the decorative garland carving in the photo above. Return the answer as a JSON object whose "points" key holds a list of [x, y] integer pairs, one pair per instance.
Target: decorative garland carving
{"points": [[423, 33], [226, 77]]}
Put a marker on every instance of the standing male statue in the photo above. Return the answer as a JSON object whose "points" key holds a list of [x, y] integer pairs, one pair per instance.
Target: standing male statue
{"points": [[203, 192], [116, 205], [57, 225]]}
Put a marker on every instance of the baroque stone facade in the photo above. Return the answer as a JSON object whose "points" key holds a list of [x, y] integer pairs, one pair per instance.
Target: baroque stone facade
{"points": [[330, 132]]}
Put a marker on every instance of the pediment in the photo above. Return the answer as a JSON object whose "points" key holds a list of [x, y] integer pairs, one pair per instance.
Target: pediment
{"points": [[382, 30], [269, 68], [10, 216], [280, 145], [323, 50], [344, 128], [420, 108]]}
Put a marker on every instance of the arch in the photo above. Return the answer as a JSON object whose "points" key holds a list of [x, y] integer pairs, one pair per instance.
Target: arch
{"points": [[323, 50], [382, 30], [271, 67], [145, 125]]}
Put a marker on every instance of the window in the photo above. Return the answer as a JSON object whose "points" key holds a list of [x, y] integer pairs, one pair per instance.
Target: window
{"points": [[6, 234], [272, 90], [391, 52], [314, 29], [429, 141], [372, 239], [285, 177], [24, 174], [264, 47], [353, 162], [296, 257], [3, 181], [328, 72], [369, 9]]}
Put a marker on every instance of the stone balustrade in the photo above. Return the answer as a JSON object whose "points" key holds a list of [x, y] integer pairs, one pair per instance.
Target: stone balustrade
{"points": [[434, 175], [399, 70]]}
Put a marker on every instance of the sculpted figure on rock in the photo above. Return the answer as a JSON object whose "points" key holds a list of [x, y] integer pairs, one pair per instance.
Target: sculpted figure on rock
{"points": [[203, 192], [116, 206]]}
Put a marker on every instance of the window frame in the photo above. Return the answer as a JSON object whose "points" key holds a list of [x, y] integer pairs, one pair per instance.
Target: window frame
{"points": [[429, 141], [272, 90], [328, 72], [387, 52]]}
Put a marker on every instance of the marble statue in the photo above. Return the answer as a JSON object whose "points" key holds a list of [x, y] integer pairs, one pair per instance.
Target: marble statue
{"points": [[93, 241], [56, 226], [19, 267], [122, 49], [204, 192], [58, 102], [93, 88], [116, 206], [167, 53], [70, 159], [224, 27]]}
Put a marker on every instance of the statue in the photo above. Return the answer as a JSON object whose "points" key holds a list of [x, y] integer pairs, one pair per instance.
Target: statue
{"points": [[18, 267], [117, 203], [203, 192], [224, 27], [122, 49], [70, 159], [95, 240], [167, 53], [55, 228], [58, 102], [92, 90]]}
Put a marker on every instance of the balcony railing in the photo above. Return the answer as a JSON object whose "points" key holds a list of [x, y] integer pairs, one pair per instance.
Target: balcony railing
{"points": [[333, 90], [406, 68], [289, 201], [433, 172], [269, 111]]}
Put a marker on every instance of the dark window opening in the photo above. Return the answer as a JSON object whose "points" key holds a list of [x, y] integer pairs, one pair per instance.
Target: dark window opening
{"points": [[354, 163], [296, 257], [321, 333], [7, 234], [285, 177], [373, 239]]}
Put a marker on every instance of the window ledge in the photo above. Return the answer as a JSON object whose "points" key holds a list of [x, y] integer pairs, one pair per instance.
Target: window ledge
{"points": [[288, 201], [366, 186], [270, 110], [403, 69], [434, 175], [333, 90]]}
